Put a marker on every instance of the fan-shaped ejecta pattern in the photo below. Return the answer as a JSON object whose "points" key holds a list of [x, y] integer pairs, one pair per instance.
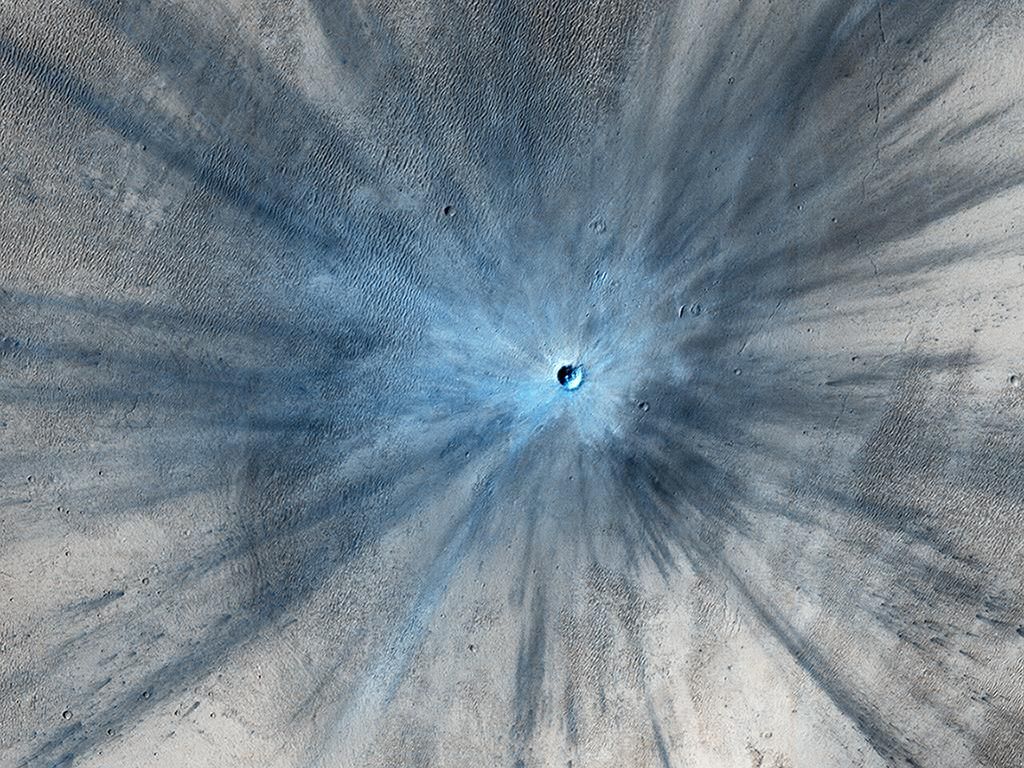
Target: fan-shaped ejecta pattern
{"points": [[460, 384]]}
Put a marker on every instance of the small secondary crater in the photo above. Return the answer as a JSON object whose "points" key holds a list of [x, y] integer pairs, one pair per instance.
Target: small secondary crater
{"points": [[570, 376]]}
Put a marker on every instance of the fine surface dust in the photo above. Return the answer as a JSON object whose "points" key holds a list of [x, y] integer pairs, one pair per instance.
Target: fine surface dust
{"points": [[290, 477]]}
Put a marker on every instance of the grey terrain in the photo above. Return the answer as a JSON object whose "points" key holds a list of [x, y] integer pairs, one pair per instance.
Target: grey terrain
{"points": [[514, 384]]}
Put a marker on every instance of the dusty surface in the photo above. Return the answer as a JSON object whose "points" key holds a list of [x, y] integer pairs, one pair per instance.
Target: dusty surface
{"points": [[288, 478]]}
